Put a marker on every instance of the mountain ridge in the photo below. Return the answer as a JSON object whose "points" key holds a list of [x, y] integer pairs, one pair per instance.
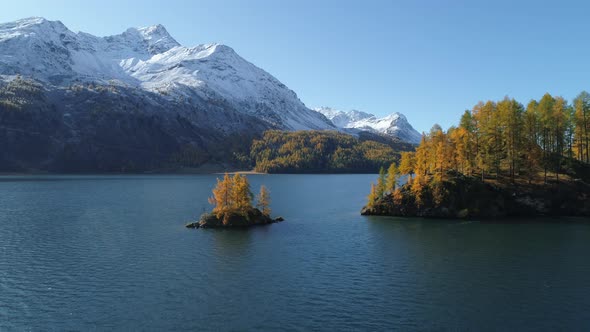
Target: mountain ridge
{"points": [[137, 101], [150, 59], [395, 124]]}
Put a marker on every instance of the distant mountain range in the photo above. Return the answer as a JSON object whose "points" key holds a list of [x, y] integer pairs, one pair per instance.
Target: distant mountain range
{"points": [[149, 59], [395, 124], [134, 101]]}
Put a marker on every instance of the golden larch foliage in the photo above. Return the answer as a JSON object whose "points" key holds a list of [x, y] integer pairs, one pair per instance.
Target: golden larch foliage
{"points": [[407, 164], [392, 177], [241, 194], [372, 198], [231, 194], [222, 196], [264, 200]]}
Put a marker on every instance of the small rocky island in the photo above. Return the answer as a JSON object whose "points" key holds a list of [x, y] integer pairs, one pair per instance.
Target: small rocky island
{"points": [[232, 206]]}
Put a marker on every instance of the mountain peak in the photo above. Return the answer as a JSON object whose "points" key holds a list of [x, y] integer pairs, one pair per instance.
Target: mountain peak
{"points": [[342, 118], [156, 36], [394, 124], [156, 28], [157, 32], [148, 58], [31, 24], [31, 20], [396, 116]]}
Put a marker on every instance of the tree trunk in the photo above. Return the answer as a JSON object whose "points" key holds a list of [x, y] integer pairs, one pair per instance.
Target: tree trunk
{"points": [[587, 138]]}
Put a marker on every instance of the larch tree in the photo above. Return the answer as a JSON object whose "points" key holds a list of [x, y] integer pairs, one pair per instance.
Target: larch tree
{"points": [[392, 177], [372, 198], [533, 155], [222, 199], [421, 157], [461, 149], [381, 182], [436, 151], [407, 163], [559, 125], [483, 114], [469, 124], [570, 130], [502, 138], [264, 200], [582, 126], [510, 120], [241, 194], [231, 195], [417, 188], [545, 114], [439, 158]]}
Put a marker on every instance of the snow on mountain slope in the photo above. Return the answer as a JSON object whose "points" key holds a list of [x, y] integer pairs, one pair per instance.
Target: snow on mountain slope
{"points": [[343, 119], [150, 59], [394, 124]]}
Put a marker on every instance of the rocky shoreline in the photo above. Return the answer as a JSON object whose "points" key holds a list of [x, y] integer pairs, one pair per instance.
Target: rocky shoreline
{"points": [[463, 197]]}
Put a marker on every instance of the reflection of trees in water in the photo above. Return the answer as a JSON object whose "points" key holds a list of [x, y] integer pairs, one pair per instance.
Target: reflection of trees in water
{"points": [[231, 249], [231, 241]]}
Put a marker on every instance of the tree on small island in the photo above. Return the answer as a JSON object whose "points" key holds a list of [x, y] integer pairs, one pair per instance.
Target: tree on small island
{"points": [[232, 205], [231, 195], [264, 200]]}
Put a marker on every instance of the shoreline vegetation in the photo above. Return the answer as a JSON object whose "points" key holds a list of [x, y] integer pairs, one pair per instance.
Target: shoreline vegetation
{"points": [[275, 152], [232, 202], [323, 152], [221, 171], [503, 160], [104, 133]]}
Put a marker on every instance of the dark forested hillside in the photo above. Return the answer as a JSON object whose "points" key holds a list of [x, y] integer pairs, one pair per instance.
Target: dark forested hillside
{"points": [[105, 128], [110, 128]]}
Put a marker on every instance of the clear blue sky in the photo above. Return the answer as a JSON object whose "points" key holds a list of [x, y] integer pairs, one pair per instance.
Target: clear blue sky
{"points": [[430, 60]]}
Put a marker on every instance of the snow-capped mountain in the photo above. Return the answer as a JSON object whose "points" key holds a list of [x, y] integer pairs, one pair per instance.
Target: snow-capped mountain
{"points": [[394, 124], [149, 59]]}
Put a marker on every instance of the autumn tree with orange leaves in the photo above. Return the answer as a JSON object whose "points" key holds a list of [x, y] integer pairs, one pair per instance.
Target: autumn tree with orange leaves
{"points": [[233, 195]]}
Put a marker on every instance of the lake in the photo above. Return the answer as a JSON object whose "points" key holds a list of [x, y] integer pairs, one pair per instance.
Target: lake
{"points": [[111, 252]]}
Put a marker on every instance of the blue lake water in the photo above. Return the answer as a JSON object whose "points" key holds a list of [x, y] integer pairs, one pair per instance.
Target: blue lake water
{"points": [[111, 253]]}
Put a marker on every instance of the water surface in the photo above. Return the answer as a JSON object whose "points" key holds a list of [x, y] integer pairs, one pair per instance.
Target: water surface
{"points": [[111, 252]]}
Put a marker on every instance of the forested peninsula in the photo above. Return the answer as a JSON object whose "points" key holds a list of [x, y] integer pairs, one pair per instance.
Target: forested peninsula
{"points": [[503, 160]]}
